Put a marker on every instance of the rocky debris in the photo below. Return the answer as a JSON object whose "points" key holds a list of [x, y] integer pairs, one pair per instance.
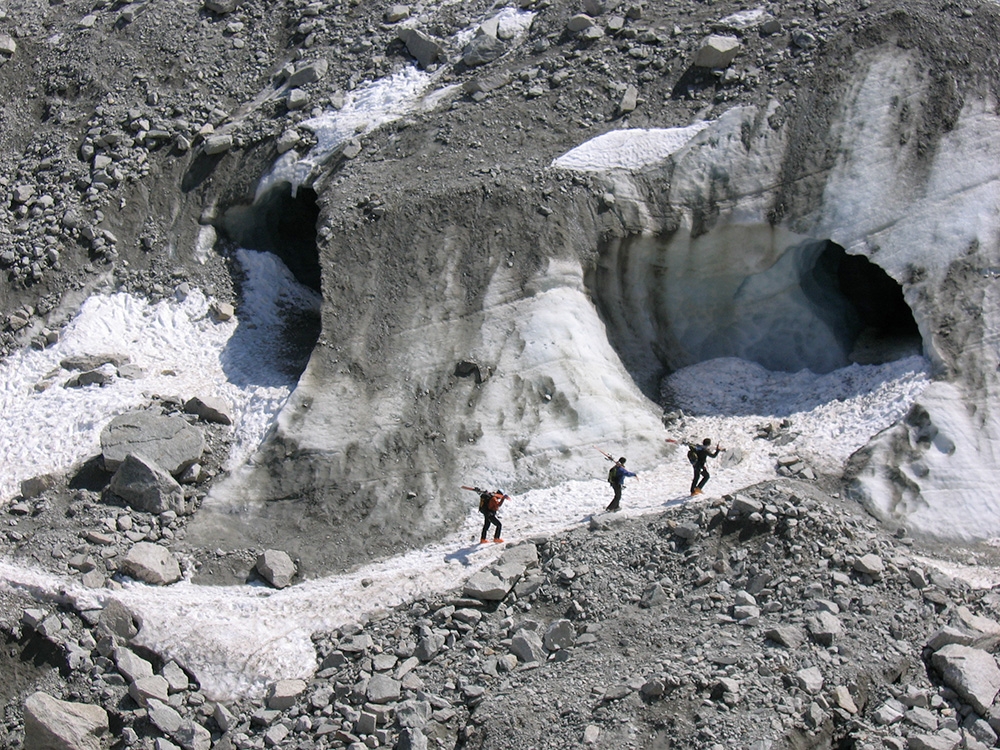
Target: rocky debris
{"points": [[276, 567], [793, 466], [145, 486], [53, 724], [167, 441], [720, 625], [151, 563]]}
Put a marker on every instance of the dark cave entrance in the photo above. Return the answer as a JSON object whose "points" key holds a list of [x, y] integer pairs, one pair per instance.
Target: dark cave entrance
{"points": [[878, 324], [812, 307], [283, 224]]}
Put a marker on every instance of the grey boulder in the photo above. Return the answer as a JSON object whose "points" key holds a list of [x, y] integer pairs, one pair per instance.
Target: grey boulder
{"points": [[170, 442], [145, 486], [52, 724], [151, 563]]}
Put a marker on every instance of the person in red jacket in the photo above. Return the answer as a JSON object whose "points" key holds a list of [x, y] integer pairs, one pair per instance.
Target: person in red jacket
{"points": [[489, 504]]}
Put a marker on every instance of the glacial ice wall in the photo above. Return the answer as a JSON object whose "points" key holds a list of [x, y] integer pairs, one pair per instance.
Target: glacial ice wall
{"points": [[544, 334], [715, 270]]}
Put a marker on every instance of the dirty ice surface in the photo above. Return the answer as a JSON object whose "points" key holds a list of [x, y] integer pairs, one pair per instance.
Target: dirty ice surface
{"points": [[237, 639]]}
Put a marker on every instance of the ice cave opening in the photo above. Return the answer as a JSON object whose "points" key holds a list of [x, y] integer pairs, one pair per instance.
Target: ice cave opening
{"points": [[810, 306], [283, 225]]}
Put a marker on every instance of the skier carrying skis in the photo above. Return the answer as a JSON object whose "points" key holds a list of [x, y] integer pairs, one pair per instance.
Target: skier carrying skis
{"points": [[489, 504], [698, 455]]}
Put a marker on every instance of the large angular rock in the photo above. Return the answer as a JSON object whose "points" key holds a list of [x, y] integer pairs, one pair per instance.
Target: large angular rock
{"points": [[970, 672], [85, 362], [52, 724], [193, 736], [209, 409], [149, 688], [558, 635], [276, 567], [426, 50], [131, 666], [786, 635], [717, 52], [118, 619], [308, 72], [283, 694], [824, 628], [495, 582], [383, 689], [527, 646], [145, 486], [35, 486], [163, 717], [222, 7], [151, 563], [482, 49], [169, 442]]}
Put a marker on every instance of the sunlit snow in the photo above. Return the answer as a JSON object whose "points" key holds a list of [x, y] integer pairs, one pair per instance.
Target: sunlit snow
{"points": [[630, 149], [183, 353]]}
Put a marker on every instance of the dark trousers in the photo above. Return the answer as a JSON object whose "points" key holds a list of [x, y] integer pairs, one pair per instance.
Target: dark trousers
{"points": [[490, 519], [699, 472], [617, 499]]}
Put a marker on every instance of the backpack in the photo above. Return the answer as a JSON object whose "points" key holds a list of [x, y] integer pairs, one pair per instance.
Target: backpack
{"points": [[692, 455], [613, 475], [490, 502]]}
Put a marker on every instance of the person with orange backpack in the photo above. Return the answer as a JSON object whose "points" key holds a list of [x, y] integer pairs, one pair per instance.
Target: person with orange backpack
{"points": [[489, 504]]}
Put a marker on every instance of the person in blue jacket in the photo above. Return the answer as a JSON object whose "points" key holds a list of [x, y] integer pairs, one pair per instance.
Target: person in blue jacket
{"points": [[616, 477]]}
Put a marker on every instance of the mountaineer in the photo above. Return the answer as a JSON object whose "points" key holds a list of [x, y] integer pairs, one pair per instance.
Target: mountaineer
{"points": [[489, 504], [698, 455], [616, 477]]}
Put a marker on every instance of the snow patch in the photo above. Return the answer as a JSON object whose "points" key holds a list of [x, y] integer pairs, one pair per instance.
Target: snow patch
{"points": [[631, 149], [183, 352]]}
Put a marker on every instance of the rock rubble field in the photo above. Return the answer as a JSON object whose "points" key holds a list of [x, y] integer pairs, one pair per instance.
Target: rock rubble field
{"points": [[776, 617]]}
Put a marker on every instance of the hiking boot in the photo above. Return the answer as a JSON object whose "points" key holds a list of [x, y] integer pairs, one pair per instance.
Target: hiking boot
{"points": [[498, 540], [483, 540], [696, 491]]}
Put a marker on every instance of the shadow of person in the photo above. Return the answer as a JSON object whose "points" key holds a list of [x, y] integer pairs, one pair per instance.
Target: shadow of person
{"points": [[462, 555]]}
